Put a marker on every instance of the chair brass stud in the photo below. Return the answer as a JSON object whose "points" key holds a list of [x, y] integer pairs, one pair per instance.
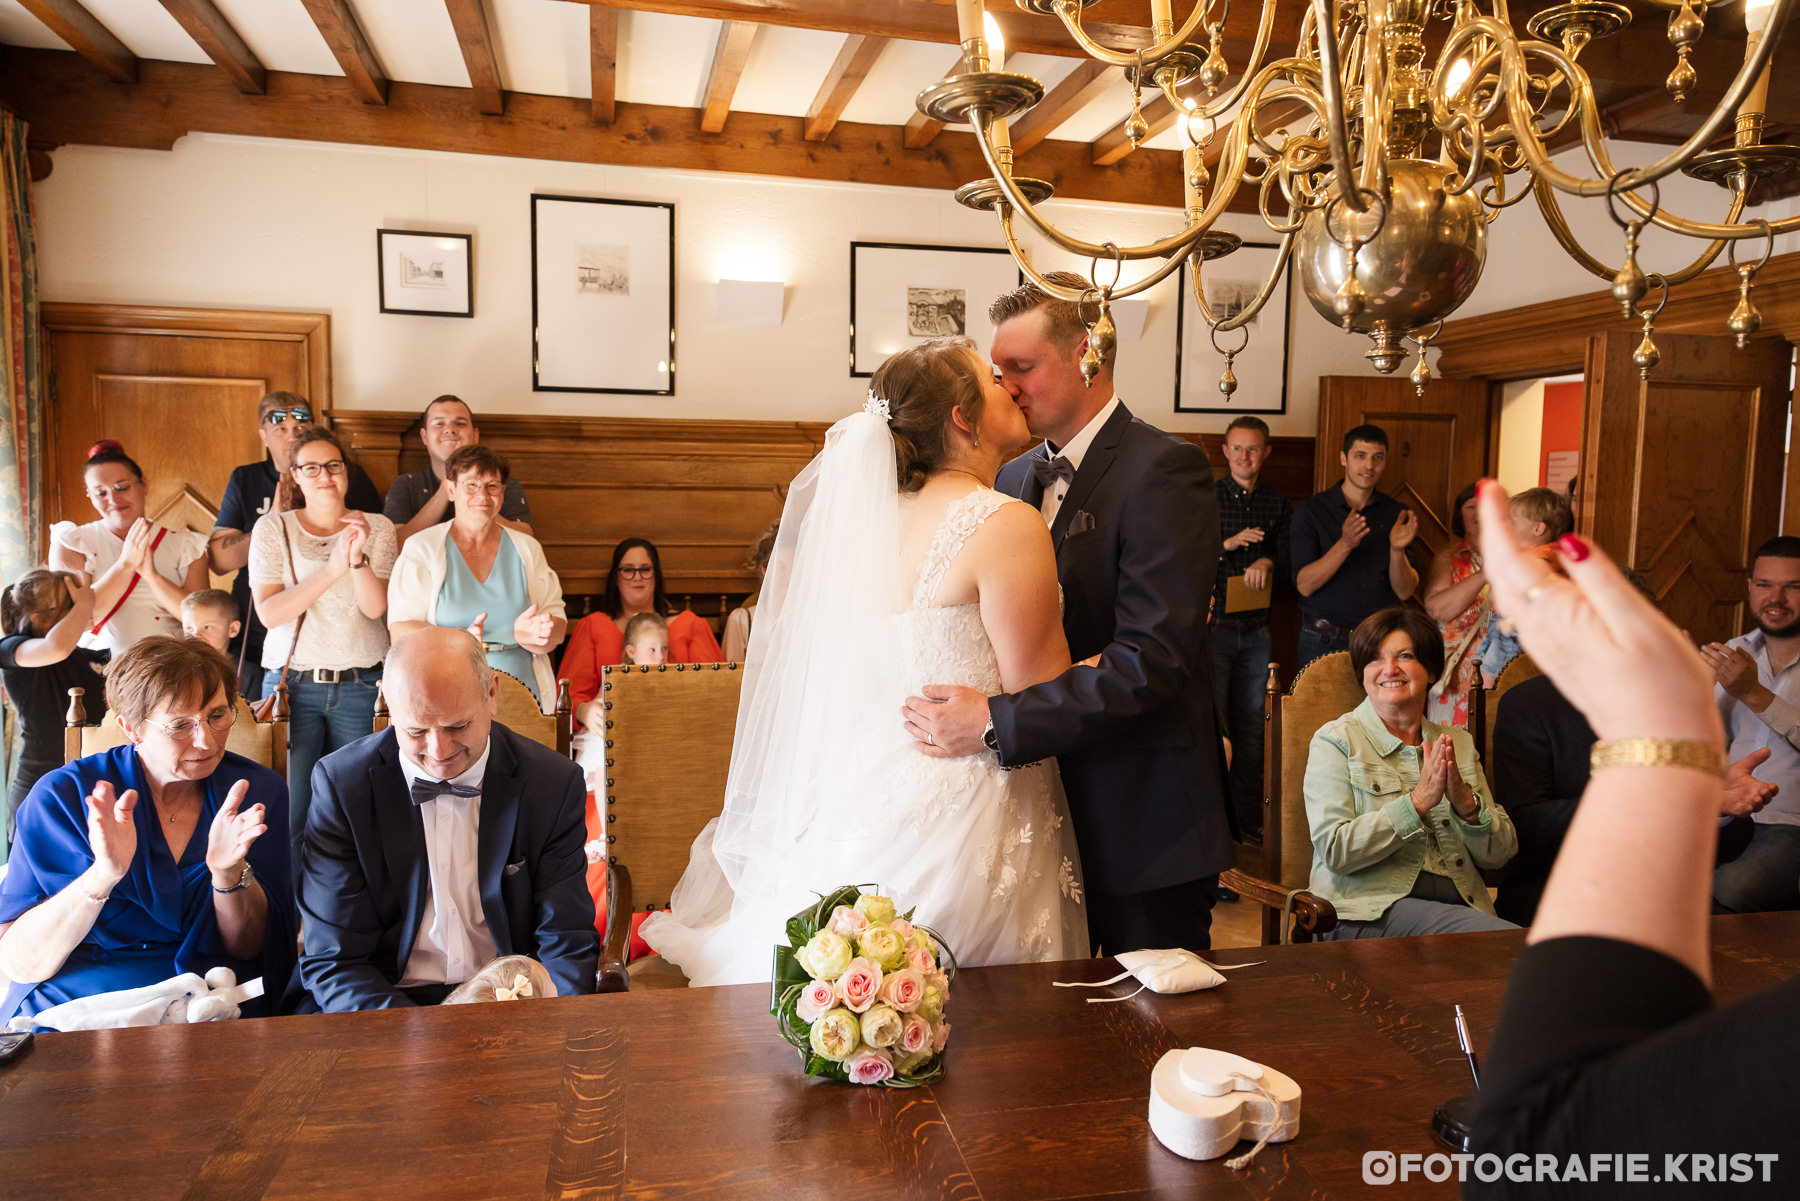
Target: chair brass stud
{"points": [[612, 838], [609, 724], [609, 782], [612, 859], [606, 705], [609, 761]]}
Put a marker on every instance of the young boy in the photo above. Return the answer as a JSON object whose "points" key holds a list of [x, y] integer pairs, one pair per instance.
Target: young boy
{"points": [[211, 615], [1539, 516], [647, 640]]}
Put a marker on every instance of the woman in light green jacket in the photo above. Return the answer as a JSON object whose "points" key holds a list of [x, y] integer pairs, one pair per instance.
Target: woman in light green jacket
{"points": [[1401, 816]]}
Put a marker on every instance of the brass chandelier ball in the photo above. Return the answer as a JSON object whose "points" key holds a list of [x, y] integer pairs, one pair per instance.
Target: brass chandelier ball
{"points": [[1418, 268]]}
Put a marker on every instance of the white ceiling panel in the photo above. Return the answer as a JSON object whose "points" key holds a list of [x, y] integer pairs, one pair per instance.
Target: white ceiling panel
{"points": [[148, 30], [785, 70], [20, 28], [413, 39], [543, 46], [1113, 106], [904, 70], [664, 59], [281, 35]]}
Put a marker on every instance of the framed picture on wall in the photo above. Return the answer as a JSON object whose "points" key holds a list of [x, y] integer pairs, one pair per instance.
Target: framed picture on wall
{"points": [[425, 274], [903, 295], [1231, 283], [602, 295]]}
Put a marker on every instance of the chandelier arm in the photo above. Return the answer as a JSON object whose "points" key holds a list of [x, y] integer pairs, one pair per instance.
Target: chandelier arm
{"points": [[1264, 29], [1249, 312], [1551, 207], [1130, 58], [1330, 87], [1018, 200], [1114, 293]]}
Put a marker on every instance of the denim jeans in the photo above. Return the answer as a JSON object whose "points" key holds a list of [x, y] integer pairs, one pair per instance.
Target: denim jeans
{"points": [[1240, 677], [1314, 643], [321, 718], [1764, 876]]}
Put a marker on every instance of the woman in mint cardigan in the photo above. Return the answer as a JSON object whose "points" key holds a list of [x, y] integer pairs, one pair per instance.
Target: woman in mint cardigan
{"points": [[1401, 816]]}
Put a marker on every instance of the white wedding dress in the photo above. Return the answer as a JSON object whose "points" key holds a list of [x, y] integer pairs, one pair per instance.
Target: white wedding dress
{"points": [[832, 790]]}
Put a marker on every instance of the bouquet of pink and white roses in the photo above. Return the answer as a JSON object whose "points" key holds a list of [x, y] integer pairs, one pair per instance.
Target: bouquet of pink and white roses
{"points": [[861, 990]]}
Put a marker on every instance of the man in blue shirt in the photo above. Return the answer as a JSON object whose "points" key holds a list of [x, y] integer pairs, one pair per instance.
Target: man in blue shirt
{"points": [[1349, 546]]}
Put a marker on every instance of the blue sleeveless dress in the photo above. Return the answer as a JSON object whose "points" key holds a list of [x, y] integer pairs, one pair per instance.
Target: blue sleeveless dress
{"points": [[506, 594]]}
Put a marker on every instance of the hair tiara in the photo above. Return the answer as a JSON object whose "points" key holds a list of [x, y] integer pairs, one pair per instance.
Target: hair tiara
{"points": [[878, 406]]}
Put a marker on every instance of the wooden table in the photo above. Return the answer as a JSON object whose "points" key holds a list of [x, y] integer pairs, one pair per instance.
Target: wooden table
{"points": [[667, 1094]]}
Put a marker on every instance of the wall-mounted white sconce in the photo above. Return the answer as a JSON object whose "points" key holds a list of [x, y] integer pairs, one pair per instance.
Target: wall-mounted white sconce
{"points": [[750, 301], [1129, 316]]}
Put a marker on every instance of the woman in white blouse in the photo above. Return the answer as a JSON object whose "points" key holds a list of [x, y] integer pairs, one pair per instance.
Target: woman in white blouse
{"points": [[322, 570], [139, 571]]}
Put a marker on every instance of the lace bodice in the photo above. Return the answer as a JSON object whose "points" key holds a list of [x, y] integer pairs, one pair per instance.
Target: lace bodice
{"points": [[947, 644]]}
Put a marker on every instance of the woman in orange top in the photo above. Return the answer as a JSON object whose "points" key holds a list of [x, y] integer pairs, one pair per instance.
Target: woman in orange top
{"points": [[633, 586]]}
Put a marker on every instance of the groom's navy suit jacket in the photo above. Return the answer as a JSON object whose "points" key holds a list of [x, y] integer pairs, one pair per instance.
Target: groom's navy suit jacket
{"points": [[1137, 545], [364, 871]]}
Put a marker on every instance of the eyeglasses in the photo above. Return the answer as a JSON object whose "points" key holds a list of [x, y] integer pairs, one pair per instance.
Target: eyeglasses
{"points": [[476, 487], [310, 471], [637, 573], [276, 417], [183, 729], [119, 489]]}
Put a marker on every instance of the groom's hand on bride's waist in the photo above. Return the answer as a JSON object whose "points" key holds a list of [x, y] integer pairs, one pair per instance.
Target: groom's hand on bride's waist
{"points": [[948, 721]]}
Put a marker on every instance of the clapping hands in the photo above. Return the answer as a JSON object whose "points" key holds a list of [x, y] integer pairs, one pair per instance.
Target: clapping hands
{"points": [[348, 552], [231, 835], [112, 832], [534, 631], [138, 553]]}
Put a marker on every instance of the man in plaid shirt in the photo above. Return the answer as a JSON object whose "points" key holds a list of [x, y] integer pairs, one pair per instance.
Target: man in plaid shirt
{"points": [[1254, 524]]}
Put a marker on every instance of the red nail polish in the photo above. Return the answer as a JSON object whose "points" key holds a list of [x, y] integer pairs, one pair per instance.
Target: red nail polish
{"points": [[1575, 548]]}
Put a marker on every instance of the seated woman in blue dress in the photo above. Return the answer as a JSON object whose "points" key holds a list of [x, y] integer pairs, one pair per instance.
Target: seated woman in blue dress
{"points": [[476, 574], [148, 860]]}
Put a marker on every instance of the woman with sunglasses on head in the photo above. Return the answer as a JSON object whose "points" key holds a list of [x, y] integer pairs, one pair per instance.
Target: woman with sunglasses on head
{"points": [[139, 571], [148, 860], [319, 574], [633, 585]]}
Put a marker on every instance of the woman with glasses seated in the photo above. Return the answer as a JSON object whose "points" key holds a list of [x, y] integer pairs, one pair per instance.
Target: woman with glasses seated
{"points": [[148, 861], [633, 586], [319, 575], [474, 573], [139, 571]]}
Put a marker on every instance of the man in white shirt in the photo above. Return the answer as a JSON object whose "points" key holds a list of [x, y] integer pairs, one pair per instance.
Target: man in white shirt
{"points": [[440, 843], [1759, 698]]}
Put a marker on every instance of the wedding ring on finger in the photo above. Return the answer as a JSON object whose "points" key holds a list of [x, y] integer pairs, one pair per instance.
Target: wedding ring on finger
{"points": [[930, 738]]}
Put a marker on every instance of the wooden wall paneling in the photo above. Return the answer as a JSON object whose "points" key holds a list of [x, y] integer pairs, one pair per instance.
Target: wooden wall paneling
{"points": [[1682, 473], [701, 490]]}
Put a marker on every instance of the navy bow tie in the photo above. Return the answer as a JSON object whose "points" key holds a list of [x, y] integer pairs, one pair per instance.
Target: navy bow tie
{"points": [[1048, 471], [430, 790]]}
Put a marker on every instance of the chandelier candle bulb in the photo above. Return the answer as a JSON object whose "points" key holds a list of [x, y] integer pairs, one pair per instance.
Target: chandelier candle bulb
{"points": [[972, 29]]}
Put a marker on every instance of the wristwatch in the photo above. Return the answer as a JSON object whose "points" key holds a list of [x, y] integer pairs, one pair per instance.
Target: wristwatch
{"points": [[989, 739], [243, 880]]}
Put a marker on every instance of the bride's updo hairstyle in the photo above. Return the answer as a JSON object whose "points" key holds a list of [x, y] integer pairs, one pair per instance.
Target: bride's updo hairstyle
{"points": [[922, 387]]}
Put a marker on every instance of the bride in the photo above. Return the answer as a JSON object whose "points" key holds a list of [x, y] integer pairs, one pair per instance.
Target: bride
{"points": [[897, 565]]}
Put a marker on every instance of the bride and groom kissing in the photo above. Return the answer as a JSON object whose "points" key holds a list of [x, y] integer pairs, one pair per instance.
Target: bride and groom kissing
{"points": [[915, 668]]}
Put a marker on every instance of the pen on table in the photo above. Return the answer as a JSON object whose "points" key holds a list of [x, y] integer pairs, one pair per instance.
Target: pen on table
{"points": [[1468, 1047]]}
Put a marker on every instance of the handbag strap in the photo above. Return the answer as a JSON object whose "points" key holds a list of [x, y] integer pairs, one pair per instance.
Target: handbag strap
{"points": [[293, 570]]}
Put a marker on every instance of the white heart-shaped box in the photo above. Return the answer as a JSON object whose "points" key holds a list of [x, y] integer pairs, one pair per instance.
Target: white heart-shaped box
{"points": [[1203, 1101]]}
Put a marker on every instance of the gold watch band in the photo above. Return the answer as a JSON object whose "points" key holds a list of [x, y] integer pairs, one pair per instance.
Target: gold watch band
{"points": [[1658, 752]]}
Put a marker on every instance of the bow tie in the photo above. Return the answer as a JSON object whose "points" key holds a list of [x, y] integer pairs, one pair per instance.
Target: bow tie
{"points": [[430, 790], [1048, 471]]}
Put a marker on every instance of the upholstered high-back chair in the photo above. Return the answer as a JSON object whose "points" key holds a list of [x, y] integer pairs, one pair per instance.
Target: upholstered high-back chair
{"points": [[668, 732], [517, 709], [262, 742]]}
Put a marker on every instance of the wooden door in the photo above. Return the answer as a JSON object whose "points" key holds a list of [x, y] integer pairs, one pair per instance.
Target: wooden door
{"points": [[1438, 443], [1681, 473], [178, 388]]}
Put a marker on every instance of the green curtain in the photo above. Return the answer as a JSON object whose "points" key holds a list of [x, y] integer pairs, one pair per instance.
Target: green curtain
{"points": [[21, 393]]}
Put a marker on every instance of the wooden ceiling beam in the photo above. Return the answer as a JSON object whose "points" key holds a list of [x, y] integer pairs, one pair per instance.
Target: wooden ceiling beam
{"points": [[1113, 145], [343, 35], [68, 20], [1080, 88], [222, 43], [469, 17], [66, 103], [852, 65], [730, 54], [603, 55], [920, 130], [1114, 23]]}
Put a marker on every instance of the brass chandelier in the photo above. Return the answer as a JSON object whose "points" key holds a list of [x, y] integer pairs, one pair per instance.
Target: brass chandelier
{"points": [[1386, 240]]}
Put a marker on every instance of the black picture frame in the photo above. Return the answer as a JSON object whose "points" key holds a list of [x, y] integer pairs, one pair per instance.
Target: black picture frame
{"points": [[423, 273], [882, 308], [602, 295], [1198, 365]]}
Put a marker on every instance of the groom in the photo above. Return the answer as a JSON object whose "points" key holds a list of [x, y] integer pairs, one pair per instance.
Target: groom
{"points": [[1135, 524]]}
